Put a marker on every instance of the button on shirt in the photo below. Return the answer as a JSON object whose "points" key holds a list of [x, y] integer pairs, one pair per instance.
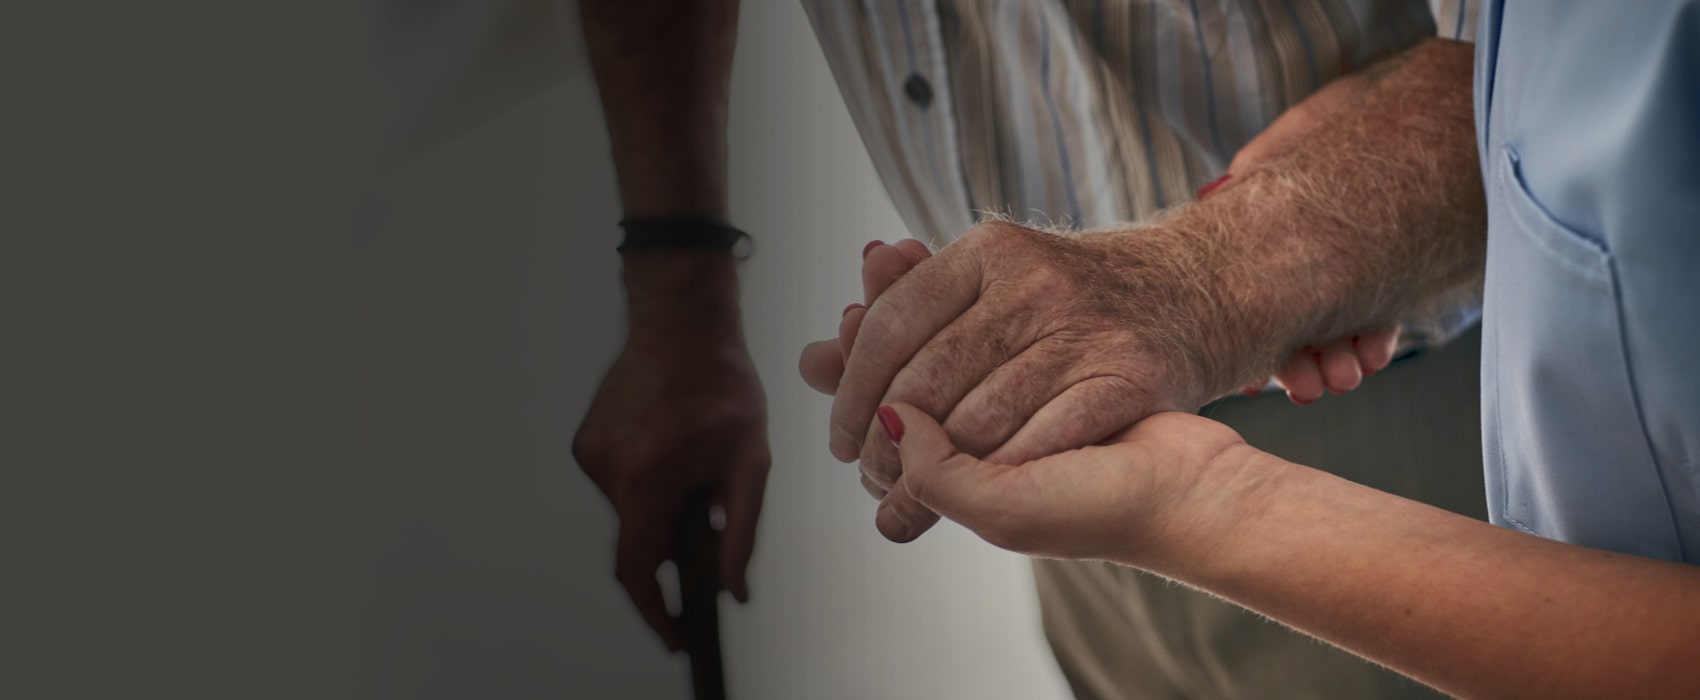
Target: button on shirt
{"points": [[1588, 115], [1082, 113], [1088, 113]]}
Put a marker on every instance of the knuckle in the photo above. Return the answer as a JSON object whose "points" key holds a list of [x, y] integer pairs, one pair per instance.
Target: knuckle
{"points": [[880, 326], [919, 484], [1000, 238], [990, 231], [585, 451], [1048, 279], [979, 431], [922, 384]]}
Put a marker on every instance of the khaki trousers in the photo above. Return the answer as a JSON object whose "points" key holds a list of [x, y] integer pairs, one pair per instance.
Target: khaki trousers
{"points": [[1412, 430]]}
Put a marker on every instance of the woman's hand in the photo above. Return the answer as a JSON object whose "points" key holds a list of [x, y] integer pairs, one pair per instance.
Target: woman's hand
{"points": [[1171, 484]]}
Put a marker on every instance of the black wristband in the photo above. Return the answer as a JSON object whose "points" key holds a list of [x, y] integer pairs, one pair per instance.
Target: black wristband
{"points": [[683, 233]]}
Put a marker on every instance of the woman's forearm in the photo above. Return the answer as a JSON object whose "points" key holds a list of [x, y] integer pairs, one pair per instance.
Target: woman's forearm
{"points": [[1473, 609]]}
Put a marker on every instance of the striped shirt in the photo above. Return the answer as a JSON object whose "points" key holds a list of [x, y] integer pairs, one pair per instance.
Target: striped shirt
{"points": [[1083, 113], [1086, 113]]}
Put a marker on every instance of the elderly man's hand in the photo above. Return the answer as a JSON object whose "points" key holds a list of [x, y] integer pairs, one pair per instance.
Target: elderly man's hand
{"points": [[1309, 372], [681, 412], [1025, 344]]}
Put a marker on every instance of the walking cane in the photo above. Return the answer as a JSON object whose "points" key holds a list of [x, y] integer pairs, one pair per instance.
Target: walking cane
{"points": [[699, 594]]}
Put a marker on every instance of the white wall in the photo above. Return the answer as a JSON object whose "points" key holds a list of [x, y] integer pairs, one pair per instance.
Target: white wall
{"points": [[493, 575]]}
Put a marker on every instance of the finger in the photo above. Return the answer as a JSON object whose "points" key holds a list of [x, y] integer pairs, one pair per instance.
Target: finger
{"points": [[880, 463], [743, 495], [1301, 377], [960, 358], [914, 250], [882, 266], [1086, 413], [1014, 391], [873, 488], [847, 329], [900, 517], [910, 252], [821, 365], [935, 473], [645, 541], [1339, 364], [897, 325], [1375, 349]]}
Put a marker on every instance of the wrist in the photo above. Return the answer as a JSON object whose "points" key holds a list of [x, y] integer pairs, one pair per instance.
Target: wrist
{"points": [[1189, 280], [1214, 537], [674, 291], [1262, 286]]}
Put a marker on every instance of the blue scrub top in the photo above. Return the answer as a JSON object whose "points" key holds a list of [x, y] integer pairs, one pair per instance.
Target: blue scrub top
{"points": [[1588, 120]]}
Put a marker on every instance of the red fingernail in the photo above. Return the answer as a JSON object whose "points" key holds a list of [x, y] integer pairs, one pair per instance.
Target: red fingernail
{"points": [[848, 309], [892, 424], [1251, 392], [1211, 186], [869, 248], [1301, 403]]}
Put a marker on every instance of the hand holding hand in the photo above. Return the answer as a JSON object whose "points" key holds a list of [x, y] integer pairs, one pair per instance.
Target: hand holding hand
{"points": [[1155, 491], [822, 367]]}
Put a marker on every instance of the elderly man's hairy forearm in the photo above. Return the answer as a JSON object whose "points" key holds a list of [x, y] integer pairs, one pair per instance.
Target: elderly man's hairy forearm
{"points": [[1374, 216]]}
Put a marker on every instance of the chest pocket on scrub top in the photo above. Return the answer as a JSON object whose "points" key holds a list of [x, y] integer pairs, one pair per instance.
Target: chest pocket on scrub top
{"points": [[1566, 452]]}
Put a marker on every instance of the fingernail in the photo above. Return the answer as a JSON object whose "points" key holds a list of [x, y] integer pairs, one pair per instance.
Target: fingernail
{"points": [[869, 248], [892, 424], [1305, 402], [1251, 392], [848, 309], [1211, 186]]}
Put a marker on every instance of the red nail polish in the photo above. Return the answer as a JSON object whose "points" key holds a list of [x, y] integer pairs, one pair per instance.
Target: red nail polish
{"points": [[1211, 186], [848, 309], [1301, 403], [869, 248], [1251, 392], [892, 424]]}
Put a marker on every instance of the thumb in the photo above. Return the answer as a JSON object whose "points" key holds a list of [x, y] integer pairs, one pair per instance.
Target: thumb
{"points": [[951, 483]]}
